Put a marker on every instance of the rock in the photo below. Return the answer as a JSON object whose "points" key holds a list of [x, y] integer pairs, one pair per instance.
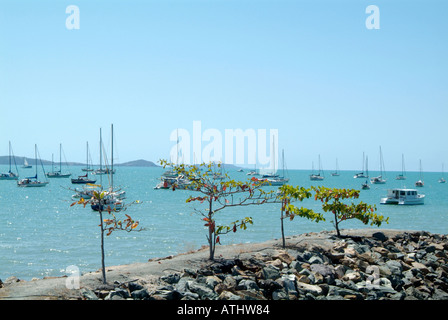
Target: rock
{"points": [[141, 294], [352, 276], [88, 294], [308, 288], [379, 236], [204, 292], [118, 294], [227, 295], [171, 278], [270, 272]]}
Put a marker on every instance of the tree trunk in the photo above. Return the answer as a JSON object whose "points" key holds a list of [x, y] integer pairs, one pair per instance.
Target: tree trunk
{"points": [[102, 243], [283, 230], [211, 231]]}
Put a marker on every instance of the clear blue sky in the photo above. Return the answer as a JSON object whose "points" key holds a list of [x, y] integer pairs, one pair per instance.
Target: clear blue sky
{"points": [[310, 69]]}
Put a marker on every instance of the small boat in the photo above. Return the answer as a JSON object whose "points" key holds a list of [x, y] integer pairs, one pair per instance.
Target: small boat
{"points": [[361, 174], [379, 179], [252, 173], [317, 177], [403, 197], [58, 174], [10, 175], [32, 181], [336, 173], [83, 180], [88, 160], [279, 180], [401, 176], [26, 165], [420, 182], [365, 185], [442, 180]]}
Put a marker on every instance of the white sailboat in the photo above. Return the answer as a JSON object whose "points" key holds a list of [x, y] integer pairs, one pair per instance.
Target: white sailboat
{"points": [[106, 170], [32, 181], [401, 176], [10, 175], [88, 161], [420, 182], [26, 165], [317, 177], [361, 174], [279, 180], [379, 179], [336, 173], [113, 198], [58, 174], [85, 178]]}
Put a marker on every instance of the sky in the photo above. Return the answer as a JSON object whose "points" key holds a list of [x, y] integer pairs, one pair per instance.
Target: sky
{"points": [[311, 70]]}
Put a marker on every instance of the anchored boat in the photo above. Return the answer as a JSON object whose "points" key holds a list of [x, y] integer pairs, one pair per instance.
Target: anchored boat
{"points": [[403, 197]]}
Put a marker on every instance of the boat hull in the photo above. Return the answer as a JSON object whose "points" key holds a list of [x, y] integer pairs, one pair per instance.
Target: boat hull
{"points": [[31, 184]]}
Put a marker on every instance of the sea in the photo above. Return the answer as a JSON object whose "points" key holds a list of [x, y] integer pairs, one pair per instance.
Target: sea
{"points": [[42, 235]]}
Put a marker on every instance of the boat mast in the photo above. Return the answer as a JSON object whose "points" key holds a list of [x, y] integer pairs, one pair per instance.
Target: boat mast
{"points": [[112, 160]]}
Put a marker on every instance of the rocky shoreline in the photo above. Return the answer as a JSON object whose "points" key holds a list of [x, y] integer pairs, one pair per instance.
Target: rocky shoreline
{"points": [[372, 265]]}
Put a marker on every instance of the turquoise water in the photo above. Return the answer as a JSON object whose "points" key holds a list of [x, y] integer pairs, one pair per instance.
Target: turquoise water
{"points": [[41, 235]]}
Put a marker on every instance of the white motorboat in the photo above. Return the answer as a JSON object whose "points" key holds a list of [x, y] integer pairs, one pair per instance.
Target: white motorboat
{"points": [[403, 197]]}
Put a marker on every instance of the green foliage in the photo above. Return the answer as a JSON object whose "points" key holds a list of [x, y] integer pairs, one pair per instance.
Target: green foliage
{"points": [[288, 193], [218, 194], [332, 200]]}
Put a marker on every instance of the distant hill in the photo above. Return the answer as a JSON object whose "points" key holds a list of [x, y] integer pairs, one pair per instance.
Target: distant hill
{"points": [[138, 163], [31, 161]]}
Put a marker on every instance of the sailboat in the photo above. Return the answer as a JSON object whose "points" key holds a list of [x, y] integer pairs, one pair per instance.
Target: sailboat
{"points": [[10, 175], [32, 181], [365, 185], [26, 165], [85, 178], [336, 173], [106, 170], [401, 176], [442, 180], [317, 177], [279, 180], [89, 160], [420, 182], [379, 179], [113, 199], [58, 174], [361, 174]]}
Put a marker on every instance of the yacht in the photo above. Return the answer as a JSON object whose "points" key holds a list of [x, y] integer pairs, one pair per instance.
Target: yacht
{"points": [[379, 179], [403, 197]]}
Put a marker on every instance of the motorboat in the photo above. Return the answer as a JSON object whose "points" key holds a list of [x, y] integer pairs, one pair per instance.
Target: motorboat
{"points": [[403, 197]]}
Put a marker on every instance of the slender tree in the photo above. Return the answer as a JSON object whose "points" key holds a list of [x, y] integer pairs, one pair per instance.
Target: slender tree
{"points": [[288, 194], [333, 201], [99, 198], [219, 193]]}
